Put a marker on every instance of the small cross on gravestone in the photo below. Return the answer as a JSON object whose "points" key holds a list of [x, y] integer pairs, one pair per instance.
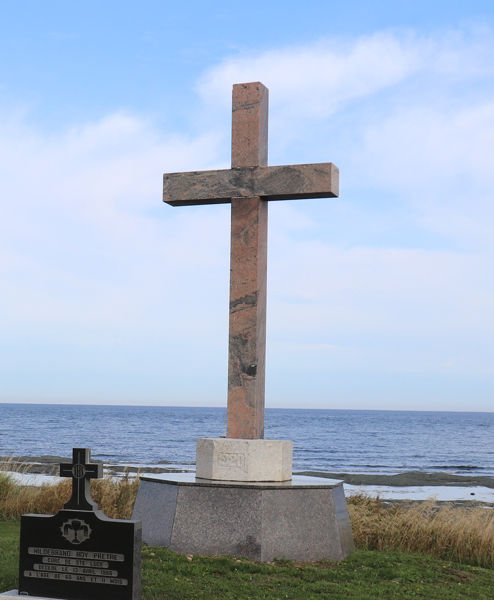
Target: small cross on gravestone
{"points": [[248, 186], [80, 553], [81, 471]]}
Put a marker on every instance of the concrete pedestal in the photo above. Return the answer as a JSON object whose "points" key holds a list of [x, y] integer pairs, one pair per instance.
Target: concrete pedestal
{"points": [[302, 519], [228, 459]]}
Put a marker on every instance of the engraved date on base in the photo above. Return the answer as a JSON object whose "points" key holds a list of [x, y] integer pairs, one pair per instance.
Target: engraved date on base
{"points": [[231, 459]]}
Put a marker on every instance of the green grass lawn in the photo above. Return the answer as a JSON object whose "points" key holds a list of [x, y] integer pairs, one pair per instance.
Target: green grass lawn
{"points": [[9, 555], [365, 575]]}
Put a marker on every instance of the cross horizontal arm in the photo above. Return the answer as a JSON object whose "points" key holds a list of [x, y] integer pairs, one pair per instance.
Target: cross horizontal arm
{"points": [[293, 182], [66, 470], [91, 471]]}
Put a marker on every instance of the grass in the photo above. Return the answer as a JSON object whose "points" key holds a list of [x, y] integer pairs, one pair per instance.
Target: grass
{"points": [[115, 497], [463, 534], [364, 575], [9, 555], [416, 550]]}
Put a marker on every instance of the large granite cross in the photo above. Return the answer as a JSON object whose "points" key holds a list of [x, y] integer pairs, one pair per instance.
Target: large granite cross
{"points": [[248, 185]]}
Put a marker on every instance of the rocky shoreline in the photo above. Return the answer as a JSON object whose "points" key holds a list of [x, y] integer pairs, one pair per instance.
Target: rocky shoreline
{"points": [[411, 478], [49, 465]]}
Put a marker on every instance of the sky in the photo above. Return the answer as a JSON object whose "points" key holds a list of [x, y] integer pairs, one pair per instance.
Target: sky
{"points": [[382, 298]]}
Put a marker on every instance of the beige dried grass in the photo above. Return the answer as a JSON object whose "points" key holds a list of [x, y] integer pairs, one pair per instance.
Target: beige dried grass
{"points": [[115, 497], [461, 533]]}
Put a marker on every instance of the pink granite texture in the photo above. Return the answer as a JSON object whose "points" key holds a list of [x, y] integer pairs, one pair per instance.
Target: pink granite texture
{"points": [[248, 186]]}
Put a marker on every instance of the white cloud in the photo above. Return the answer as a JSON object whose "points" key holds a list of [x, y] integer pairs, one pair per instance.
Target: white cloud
{"points": [[90, 258], [75, 228], [440, 162], [416, 148], [408, 117], [314, 81], [380, 291], [406, 114]]}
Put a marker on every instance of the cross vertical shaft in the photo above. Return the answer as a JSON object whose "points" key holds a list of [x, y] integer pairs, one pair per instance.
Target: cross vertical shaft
{"points": [[248, 269]]}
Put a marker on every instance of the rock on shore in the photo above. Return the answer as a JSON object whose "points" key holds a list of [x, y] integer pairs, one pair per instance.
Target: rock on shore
{"points": [[411, 478]]}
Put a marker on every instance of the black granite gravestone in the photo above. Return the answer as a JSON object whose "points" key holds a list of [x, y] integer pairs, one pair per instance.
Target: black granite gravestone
{"points": [[79, 553]]}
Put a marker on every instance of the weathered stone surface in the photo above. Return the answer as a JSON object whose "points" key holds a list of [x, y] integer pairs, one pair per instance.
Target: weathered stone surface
{"points": [[249, 125], [248, 268], [247, 332], [164, 502], [214, 529], [342, 520], [226, 459], [248, 185], [303, 519], [290, 182]]}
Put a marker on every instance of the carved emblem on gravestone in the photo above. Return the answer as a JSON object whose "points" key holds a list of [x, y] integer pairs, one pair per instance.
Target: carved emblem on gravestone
{"points": [[76, 531], [78, 471]]}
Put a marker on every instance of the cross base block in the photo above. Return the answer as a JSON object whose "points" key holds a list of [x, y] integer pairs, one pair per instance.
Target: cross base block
{"points": [[229, 459]]}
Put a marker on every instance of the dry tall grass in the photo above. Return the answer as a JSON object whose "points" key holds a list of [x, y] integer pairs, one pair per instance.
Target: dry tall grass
{"points": [[463, 534], [115, 497]]}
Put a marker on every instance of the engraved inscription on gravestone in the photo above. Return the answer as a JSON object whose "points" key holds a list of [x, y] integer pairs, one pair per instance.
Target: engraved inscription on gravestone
{"points": [[80, 553]]}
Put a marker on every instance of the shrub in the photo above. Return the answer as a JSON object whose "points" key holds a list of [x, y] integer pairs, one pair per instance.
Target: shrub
{"points": [[461, 533], [115, 497]]}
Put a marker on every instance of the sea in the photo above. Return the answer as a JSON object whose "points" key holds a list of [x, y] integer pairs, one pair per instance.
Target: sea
{"points": [[332, 441]]}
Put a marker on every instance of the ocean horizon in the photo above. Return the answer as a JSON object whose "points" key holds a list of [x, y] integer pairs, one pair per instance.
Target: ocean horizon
{"points": [[325, 440]]}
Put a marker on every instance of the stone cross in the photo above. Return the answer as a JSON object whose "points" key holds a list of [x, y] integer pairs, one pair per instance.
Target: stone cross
{"points": [[248, 185], [81, 471]]}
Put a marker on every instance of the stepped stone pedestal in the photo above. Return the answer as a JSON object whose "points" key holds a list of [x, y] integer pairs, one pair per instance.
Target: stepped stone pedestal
{"points": [[305, 518], [243, 501]]}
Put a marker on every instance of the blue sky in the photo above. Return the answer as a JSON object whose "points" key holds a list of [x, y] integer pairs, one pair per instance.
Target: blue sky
{"points": [[380, 299]]}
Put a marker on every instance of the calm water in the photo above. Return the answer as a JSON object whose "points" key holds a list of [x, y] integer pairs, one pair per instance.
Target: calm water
{"points": [[324, 440]]}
